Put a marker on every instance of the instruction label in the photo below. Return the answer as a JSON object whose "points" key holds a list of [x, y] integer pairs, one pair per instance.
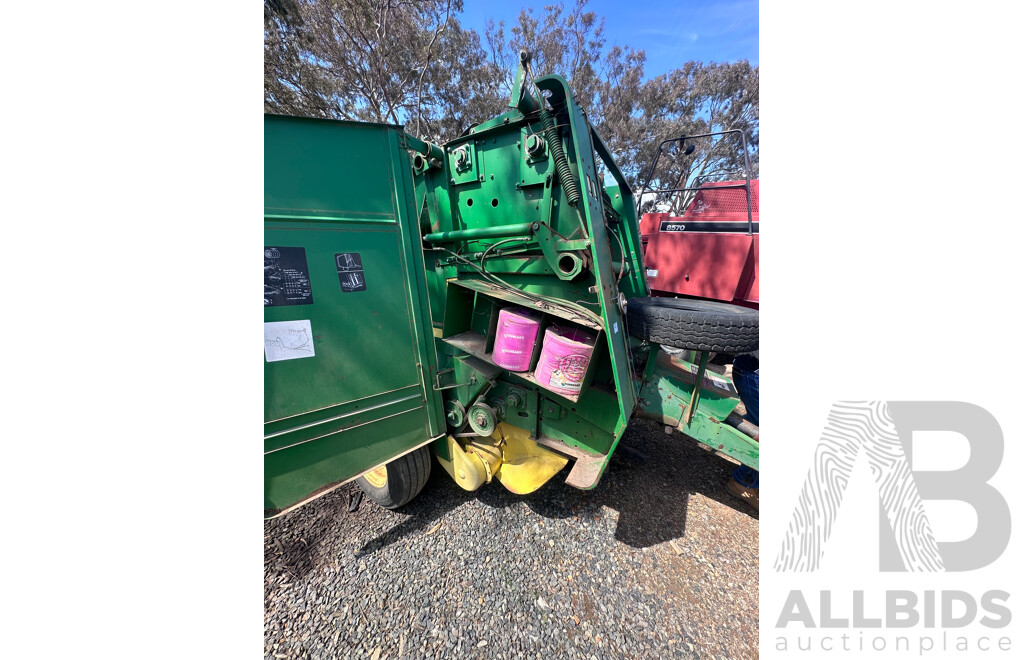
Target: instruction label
{"points": [[350, 272], [285, 277], [288, 340]]}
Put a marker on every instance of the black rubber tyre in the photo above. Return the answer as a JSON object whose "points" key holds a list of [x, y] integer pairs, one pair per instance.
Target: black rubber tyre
{"points": [[406, 476], [696, 325]]}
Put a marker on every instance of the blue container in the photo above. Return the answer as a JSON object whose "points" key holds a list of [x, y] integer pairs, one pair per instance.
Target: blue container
{"points": [[745, 378]]}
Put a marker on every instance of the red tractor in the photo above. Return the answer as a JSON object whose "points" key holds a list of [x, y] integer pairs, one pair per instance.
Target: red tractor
{"points": [[708, 256], [710, 251]]}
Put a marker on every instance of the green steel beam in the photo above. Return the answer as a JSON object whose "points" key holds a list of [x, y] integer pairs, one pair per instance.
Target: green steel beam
{"points": [[499, 231], [666, 398]]}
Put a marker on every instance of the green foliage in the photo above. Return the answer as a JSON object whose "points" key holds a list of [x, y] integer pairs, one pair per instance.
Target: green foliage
{"points": [[412, 62]]}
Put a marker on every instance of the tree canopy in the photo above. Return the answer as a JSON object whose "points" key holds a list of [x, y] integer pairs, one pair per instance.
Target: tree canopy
{"points": [[412, 62]]}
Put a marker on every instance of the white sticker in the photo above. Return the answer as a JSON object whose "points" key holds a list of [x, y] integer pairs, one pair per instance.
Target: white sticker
{"points": [[651, 272], [565, 382], [287, 340], [615, 328]]}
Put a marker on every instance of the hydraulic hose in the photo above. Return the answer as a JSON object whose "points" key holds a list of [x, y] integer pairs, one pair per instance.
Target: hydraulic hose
{"points": [[568, 181]]}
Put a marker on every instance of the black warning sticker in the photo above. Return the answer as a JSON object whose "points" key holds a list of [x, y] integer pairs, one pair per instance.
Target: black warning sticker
{"points": [[285, 277], [350, 272]]}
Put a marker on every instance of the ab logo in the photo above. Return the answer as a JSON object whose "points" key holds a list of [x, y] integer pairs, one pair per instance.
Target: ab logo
{"points": [[882, 431]]}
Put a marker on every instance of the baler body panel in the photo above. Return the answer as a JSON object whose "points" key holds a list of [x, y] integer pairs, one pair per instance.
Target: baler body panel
{"points": [[346, 326]]}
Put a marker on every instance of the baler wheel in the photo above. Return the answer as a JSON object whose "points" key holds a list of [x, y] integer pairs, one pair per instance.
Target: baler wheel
{"points": [[403, 479], [697, 325]]}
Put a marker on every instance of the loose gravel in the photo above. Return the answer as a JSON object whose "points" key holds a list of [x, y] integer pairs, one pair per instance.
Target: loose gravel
{"points": [[659, 561]]}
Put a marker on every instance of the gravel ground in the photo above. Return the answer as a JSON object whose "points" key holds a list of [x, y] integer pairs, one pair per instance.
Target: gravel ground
{"points": [[658, 561]]}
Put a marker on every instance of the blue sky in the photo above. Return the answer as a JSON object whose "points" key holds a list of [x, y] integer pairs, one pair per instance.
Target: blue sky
{"points": [[671, 33]]}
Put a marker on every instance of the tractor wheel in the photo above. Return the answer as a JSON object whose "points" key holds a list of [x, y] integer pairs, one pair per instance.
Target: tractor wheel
{"points": [[396, 483], [697, 325]]}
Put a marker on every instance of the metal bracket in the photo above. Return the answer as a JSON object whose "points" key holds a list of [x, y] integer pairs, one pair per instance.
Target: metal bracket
{"points": [[464, 164], [697, 386], [558, 251], [437, 381]]}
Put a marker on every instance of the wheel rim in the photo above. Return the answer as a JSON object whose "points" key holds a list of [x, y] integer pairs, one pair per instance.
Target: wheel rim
{"points": [[377, 477]]}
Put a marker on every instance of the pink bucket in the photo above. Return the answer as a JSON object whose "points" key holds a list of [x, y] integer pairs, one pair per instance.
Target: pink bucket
{"points": [[564, 359], [515, 338]]}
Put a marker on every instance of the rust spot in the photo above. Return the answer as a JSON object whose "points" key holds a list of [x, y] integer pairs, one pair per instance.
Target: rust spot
{"points": [[721, 446]]}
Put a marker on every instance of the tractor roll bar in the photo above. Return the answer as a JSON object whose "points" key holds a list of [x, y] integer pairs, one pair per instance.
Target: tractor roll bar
{"points": [[683, 138]]}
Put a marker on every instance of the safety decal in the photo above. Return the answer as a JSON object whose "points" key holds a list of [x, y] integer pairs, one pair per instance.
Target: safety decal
{"points": [[350, 272], [285, 277]]}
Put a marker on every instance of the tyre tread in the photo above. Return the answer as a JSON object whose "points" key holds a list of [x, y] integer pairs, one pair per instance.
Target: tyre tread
{"points": [[693, 325], [407, 475]]}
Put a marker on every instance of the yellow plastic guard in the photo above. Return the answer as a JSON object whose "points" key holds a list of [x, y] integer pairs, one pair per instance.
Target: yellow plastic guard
{"points": [[526, 465], [509, 455]]}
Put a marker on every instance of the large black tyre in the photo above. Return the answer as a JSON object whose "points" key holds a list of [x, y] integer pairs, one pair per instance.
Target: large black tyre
{"points": [[396, 483], [697, 325]]}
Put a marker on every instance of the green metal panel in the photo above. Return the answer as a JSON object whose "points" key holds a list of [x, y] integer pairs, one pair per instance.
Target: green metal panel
{"points": [[348, 327], [320, 168], [362, 394]]}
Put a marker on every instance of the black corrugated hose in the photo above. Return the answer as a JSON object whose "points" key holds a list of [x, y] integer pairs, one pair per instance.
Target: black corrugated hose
{"points": [[568, 181]]}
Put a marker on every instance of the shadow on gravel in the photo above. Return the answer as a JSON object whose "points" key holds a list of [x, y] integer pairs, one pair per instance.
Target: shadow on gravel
{"points": [[439, 496], [649, 481], [652, 495], [294, 540]]}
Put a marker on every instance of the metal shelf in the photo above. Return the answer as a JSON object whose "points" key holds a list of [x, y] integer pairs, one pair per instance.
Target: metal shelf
{"points": [[565, 310], [475, 344]]}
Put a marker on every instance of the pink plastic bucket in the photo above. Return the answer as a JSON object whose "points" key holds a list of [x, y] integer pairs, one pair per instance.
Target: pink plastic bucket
{"points": [[564, 359], [515, 338]]}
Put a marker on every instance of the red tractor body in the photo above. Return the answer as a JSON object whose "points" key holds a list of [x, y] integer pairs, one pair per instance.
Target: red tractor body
{"points": [[711, 251]]}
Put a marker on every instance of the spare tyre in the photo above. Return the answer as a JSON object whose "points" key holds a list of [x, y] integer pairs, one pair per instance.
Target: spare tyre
{"points": [[696, 325]]}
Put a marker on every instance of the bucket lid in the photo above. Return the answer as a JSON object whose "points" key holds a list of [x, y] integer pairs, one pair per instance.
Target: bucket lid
{"points": [[513, 311], [573, 336]]}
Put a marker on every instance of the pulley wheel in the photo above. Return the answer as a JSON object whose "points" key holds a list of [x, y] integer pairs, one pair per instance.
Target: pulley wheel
{"points": [[455, 414], [482, 419]]}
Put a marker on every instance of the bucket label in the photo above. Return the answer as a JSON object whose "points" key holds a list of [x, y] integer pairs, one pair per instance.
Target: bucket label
{"points": [[285, 277], [570, 372], [350, 272], [560, 381]]}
